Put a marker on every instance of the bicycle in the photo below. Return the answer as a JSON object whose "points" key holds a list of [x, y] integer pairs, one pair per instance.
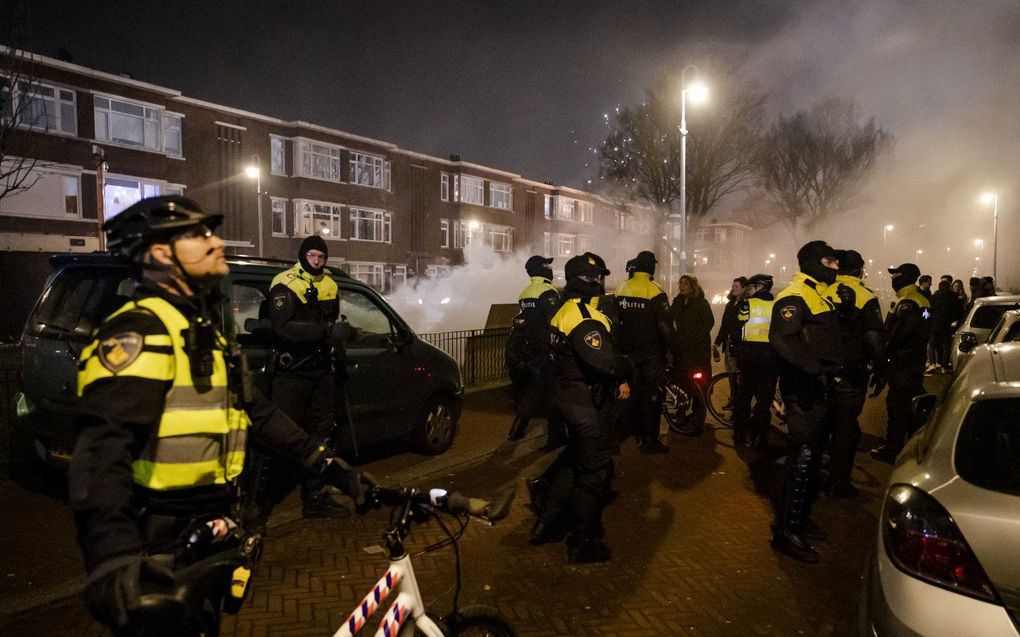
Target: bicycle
{"points": [[683, 403], [408, 609], [719, 397]]}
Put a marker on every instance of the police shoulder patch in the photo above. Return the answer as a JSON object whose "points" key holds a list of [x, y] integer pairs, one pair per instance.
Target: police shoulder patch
{"points": [[788, 312], [120, 350], [279, 300], [593, 339]]}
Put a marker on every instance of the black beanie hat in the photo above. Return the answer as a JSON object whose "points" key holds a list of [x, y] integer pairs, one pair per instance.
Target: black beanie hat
{"points": [[644, 262], [312, 242], [538, 265]]}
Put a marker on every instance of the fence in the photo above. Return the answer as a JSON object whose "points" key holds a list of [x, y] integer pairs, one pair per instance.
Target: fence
{"points": [[478, 352]]}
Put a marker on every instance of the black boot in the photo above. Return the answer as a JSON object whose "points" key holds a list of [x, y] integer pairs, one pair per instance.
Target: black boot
{"points": [[518, 429], [587, 550], [537, 488], [545, 533], [796, 546], [653, 446], [788, 531], [319, 504]]}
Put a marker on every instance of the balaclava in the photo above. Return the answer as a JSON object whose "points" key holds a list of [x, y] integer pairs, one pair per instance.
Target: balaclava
{"points": [[809, 257], [313, 242]]}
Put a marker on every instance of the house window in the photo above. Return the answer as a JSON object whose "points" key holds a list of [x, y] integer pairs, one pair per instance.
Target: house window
{"points": [[279, 205], [277, 155], [720, 235], [128, 123], [472, 190], [370, 225], [40, 107], [444, 186], [501, 196], [501, 238], [121, 192], [565, 245], [585, 213], [583, 244], [370, 273], [444, 233], [456, 187], [701, 235], [317, 217], [370, 170], [548, 206], [437, 271], [172, 134], [395, 276], [547, 244], [52, 195], [318, 161]]}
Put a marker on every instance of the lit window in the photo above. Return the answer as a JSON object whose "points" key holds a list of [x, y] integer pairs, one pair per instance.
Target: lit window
{"points": [[120, 192], [71, 201], [547, 244], [501, 196], [565, 245], [172, 134], [318, 161], [472, 190], [370, 170], [128, 123], [40, 107], [370, 225], [317, 217], [53, 194], [369, 273], [278, 160], [279, 206], [548, 206], [444, 233], [444, 186], [501, 238], [583, 244]]}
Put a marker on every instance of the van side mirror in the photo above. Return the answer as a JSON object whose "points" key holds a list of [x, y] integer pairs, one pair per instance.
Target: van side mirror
{"points": [[924, 405], [968, 341]]}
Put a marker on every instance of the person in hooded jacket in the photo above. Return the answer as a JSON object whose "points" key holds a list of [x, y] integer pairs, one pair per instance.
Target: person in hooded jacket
{"points": [[529, 353], [908, 329], [804, 333], [304, 309], [647, 335]]}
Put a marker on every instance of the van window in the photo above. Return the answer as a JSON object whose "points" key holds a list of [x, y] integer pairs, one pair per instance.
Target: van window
{"points": [[988, 448], [986, 316], [78, 300], [247, 300], [1013, 335], [372, 327]]}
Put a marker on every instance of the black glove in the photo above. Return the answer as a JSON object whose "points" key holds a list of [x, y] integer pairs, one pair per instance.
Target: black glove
{"points": [[114, 588], [878, 383], [340, 333], [352, 482], [847, 300]]}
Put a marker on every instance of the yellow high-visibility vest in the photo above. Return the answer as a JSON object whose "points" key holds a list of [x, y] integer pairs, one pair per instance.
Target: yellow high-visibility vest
{"points": [[759, 318], [201, 437]]}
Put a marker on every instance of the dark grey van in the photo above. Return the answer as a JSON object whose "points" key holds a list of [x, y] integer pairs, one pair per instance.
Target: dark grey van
{"points": [[399, 387]]}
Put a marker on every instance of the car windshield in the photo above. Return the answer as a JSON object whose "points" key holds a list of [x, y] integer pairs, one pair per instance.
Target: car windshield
{"points": [[78, 299], [988, 448], [986, 316]]}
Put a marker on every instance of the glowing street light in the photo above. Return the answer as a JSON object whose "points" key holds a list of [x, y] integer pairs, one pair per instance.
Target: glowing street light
{"points": [[886, 229], [252, 171], [699, 93], [993, 198]]}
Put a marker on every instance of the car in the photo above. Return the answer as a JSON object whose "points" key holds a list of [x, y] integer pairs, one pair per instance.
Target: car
{"points": [[1007, 330], [945, 560], [398, 386], [978, 323]]}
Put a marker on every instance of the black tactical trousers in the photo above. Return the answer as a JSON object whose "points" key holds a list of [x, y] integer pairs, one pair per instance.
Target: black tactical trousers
{"points": [[845, 404], [905, 382], [309, 398], [534, 388], [807, 415], [579, 479], [756, 381], [644, 409]]}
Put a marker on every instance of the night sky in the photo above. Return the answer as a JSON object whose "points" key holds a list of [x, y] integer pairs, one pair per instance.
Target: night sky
{"points": [[524, 85]]}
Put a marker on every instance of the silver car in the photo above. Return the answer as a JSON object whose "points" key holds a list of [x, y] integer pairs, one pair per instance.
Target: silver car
{"points": [[975, 327], [947, 559]]}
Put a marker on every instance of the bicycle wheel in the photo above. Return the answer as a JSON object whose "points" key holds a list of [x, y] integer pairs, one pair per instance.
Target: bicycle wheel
{"points": [[720, 398], [479, 621], [683, 408]]}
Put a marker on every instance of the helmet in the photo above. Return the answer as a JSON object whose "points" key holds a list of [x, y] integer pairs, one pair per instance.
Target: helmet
{"points": [[764, 280], [154, 218]]}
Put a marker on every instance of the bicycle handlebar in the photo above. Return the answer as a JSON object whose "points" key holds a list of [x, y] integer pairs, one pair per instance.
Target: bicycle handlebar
{"points": [[446, 501]]}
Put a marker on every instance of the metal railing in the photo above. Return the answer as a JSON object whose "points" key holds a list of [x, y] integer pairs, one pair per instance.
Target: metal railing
{"points": [[480, 353]]}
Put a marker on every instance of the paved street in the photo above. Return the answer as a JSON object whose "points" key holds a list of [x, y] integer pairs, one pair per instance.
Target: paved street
{"points": [[689, 534]]}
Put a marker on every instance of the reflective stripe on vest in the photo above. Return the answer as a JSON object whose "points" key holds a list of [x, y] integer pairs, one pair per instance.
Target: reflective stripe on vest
{"points": [[756, 328], [298, 282], [201, 438]]}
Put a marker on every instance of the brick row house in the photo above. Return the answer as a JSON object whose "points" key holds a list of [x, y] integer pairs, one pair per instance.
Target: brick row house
{"points": [[103, 141]]}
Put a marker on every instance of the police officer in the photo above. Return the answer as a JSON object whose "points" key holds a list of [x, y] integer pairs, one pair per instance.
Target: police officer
{"points": [[589, 373], [862, 334], [304, 311], [166, 412], [529, 355], [603, 302], [908, 328], [805, 336], [646, 334], [757, 373]]}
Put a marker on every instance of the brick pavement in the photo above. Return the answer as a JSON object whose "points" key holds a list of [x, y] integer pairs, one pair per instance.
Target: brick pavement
{"points": [[690, 540]]}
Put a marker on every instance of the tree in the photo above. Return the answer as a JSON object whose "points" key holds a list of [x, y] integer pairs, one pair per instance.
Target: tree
{"points": [[641, 155], [813, 163]]}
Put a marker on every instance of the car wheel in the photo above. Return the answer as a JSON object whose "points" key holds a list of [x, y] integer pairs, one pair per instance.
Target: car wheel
{"points": [[436, 427]]}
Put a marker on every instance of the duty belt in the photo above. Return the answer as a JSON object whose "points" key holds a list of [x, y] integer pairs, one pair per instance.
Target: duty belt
{"points": [[286, 361]]}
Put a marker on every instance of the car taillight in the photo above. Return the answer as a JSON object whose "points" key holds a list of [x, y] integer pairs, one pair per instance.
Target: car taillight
{"points": [[922, 540]]}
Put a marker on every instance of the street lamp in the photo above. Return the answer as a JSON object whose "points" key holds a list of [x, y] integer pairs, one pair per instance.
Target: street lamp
{"points": [[699, 93], [886, 229], [252, 171], [993, 198]]}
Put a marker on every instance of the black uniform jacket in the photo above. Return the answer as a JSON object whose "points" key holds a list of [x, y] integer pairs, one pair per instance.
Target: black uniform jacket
{"points": [[584, 351], [302, 325], [909, 328], [860, 322], [116, 418], [646, 325], [805, 334], [529, 341]]}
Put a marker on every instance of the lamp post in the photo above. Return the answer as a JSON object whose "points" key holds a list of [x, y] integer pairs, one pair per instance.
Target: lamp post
{"points": [[253, 171], [699, 92], [886, 229], [993, 198]]}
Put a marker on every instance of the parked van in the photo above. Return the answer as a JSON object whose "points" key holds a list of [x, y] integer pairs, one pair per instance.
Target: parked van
{"points": [[399, 387]]}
